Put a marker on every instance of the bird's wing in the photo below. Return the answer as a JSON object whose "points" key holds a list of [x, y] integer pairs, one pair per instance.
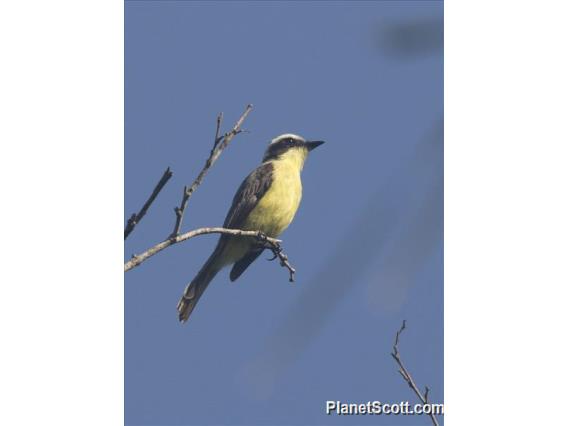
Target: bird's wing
{"points": [[248, 195], [240, 266]]}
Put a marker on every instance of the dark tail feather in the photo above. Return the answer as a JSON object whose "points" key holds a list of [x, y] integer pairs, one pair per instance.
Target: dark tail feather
{"points": [[197, 287]]}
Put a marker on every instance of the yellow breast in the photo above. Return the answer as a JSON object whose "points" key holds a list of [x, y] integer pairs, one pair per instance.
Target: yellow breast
{"points": [[278, 206]]}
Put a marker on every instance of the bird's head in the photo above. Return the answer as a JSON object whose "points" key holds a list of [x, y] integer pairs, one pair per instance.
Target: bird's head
{"points": [[290, 147]]}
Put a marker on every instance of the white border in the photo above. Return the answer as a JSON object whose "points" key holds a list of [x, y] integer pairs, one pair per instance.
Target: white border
{"points": [[61, 168], [61, 307], [506, 235]]}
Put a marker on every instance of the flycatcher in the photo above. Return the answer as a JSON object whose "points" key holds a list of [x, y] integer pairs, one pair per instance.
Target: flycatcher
{"points": [[266, 201]]}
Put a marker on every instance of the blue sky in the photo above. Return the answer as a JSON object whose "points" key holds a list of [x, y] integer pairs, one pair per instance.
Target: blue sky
{"points": [[367, 77]]}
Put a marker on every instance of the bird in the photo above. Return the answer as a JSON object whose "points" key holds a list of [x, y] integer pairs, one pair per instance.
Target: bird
{"points": [[266, 201]]}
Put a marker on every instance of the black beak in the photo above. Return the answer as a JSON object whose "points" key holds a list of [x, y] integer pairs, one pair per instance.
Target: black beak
{"points": [[313, 144]]}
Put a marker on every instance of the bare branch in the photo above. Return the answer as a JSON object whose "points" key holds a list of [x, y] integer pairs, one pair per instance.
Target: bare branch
{"points": [[406, 375], [137, 217], [138, 259], [219, 144]]}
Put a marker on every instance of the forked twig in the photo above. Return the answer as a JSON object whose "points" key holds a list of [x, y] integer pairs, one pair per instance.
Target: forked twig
{"points": [[219, 144], [406, 375]]}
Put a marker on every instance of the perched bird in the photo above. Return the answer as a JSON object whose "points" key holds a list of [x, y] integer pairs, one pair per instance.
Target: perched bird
{"points": [[266, 201]]}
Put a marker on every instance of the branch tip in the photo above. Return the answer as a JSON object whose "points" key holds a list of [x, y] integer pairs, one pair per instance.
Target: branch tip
{"points": [[137, 217]]}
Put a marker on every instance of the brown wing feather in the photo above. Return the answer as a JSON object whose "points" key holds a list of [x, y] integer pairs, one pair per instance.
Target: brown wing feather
{"points": [[248, 195]]}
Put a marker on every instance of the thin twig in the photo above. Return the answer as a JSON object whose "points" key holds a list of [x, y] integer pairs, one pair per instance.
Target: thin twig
{"points": [[139, 258], [406, 375], [219, 144], [137, 217], [217, 130]]}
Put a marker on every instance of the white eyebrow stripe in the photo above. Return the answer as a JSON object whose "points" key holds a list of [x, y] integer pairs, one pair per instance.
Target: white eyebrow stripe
{"points": [[287, 136]]}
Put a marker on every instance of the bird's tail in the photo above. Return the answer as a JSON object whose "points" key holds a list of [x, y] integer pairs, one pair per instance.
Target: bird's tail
{"points": [[197, 287]]}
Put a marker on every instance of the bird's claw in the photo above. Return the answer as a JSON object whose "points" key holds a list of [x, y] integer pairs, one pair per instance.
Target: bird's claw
{"points": [[276, 250]]}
